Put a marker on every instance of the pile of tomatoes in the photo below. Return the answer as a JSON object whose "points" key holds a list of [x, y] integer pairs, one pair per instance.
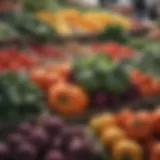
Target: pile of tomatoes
{"points": [[135, 133], [47, 51], [15, 59], [145, 83], [115, 50]]}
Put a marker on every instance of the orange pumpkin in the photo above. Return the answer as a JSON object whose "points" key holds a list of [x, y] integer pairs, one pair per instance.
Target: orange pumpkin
{"points": [[155, 86], [64, 70], [155, 152], [123, 116], [139, 126], [156, 121], [38, 76], [51, 79], [67, 98], [52, 68]]}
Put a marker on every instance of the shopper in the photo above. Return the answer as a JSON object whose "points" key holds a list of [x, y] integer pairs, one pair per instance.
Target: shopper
{"points": [[140, 7], [154, 11]]}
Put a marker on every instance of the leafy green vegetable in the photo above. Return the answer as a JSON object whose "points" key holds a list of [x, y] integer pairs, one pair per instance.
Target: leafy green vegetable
{"points": [[7, 31], [27, 24], [116, 33], [100, 72], [149, 61], [19, 98]]}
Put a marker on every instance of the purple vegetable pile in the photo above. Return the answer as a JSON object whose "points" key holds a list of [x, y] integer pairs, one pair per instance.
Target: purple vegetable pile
{"points": [[49, 139]]}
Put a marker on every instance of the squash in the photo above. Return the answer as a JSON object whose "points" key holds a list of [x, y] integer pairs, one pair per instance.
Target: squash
{"points": [[139, 126], [67, 98], [127, 149], [106, 120], [112, 135]]}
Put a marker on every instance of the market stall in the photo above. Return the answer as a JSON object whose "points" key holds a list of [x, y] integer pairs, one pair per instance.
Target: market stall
{"points": [[77, 83]]}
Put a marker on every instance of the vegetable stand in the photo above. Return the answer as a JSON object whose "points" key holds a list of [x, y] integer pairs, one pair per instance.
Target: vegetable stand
{"points": [[74, 89]]}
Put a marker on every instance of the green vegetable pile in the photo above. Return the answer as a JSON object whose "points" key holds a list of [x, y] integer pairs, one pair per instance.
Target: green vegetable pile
{"points": [[27, 24], [115, 33], [144, 44], [19, 98], [7, 31], [100, 72], [149, 61]]}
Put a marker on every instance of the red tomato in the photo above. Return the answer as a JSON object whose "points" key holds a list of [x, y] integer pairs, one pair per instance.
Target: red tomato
{"points": [[126, 51]]}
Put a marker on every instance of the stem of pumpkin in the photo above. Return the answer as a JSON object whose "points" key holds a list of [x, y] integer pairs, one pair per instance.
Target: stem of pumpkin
{"points": [[137, 123], [63, 99], [126, 157]]}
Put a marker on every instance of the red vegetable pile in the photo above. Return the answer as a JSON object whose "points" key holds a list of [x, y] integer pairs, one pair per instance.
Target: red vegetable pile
{"points": [[115, 50], [14, 59], [47, 51]]}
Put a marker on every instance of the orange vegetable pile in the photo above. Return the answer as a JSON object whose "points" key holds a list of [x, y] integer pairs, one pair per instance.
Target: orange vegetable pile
{"points": [[63, 97], [115, 50], [139, 130], [145, 83]]}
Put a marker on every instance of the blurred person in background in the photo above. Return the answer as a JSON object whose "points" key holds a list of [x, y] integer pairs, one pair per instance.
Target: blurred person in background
{"points": [[92, 3], [139, 8], [154, 10]]}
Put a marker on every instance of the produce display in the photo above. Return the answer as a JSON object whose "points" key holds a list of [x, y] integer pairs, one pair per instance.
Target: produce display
{"points": [[115, 50], [33, 27], [47, 51], [72, 21], [129, 134], [20, 98], [50, 139], [15, 59], [67, 64], [6, 31], [90, 81], [145, 83], [145, 74]]}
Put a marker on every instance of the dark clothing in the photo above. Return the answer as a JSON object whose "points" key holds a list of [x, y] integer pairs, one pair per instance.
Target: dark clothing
{"points": [[139, 4], [104, 3], [140, 8], [153, 13]]}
